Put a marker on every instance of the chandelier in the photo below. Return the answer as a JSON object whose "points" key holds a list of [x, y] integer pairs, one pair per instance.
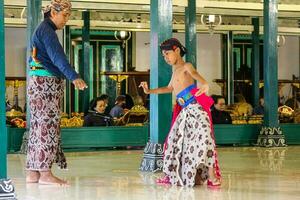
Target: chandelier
{"points": [[211, 21], [123, 36], [280, 40]]}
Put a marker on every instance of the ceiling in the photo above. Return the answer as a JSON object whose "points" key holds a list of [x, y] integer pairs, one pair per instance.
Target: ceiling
{"points": [[134, 14]]}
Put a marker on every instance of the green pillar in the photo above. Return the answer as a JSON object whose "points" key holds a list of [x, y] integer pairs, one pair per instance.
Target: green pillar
{"points": [[270, 134], [230, 69], [160, 75], [85, 59], [190, 33], [255, 61], [34, 8], [67, 47], [3, 132]]}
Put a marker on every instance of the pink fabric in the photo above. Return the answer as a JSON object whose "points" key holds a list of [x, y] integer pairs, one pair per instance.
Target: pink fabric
{"points": [[206, 102]]}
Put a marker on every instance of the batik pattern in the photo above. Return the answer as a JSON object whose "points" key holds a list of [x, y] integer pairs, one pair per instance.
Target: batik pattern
{"points": [[190, 147], [44, 144]]}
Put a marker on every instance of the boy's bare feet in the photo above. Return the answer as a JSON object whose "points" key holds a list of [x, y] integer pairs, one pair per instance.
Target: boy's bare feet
{"points": [[32, 177], [47, 178], [198, 180], [213, 180]]}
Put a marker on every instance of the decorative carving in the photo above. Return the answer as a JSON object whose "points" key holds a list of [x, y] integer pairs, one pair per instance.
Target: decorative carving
{"points": [[136, 116], [6, 189], [75, 121], [153, 157], [271, 137]]}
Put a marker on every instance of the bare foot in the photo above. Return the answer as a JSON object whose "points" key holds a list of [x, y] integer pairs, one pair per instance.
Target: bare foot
{"points": [[213, 180], [216, 183], [32, 177], [47, 178], [198, 179]]}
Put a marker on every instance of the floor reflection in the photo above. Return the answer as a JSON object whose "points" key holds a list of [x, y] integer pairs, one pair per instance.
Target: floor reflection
{"points": [[248, 173]]}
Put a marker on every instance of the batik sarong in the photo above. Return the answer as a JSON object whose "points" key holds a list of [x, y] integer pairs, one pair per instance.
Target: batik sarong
{"points": [[44, 144], [190, 145]]}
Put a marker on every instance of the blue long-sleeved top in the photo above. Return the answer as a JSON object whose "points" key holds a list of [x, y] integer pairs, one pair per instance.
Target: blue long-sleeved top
{"points": [[50, 53]]}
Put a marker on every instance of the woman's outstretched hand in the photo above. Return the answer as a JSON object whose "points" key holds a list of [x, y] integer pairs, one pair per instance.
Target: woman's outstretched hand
{"points": [[79, 84], [144, 85]]}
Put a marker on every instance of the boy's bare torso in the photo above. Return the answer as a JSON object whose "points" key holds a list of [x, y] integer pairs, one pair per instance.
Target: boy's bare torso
{"points": [[180, 80]]}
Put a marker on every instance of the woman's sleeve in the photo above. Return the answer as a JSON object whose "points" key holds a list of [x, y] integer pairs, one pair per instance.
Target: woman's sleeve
{"points": [[57, 55]]}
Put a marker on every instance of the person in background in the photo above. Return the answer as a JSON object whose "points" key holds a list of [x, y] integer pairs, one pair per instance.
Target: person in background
{"points": [[7, 104], [129, 103], [96, 115], [259, 110], [219, 115], [106, 99], [118, 110]]}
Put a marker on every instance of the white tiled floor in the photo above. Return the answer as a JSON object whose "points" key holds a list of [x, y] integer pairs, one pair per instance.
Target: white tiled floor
{"points": [[248, 173]]}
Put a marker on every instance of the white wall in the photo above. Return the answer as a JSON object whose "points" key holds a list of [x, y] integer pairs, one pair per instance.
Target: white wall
{"points": [[288, 58], [288, 62], [208, 56], [209, 59], [15, 51]]}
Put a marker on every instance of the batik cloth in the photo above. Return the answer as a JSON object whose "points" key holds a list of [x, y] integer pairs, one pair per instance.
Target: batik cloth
{"points": [[44, 144], [190, 146]]}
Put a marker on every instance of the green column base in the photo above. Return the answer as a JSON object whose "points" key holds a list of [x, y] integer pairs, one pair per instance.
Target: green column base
{"points": [[153, 157], [7, 190], [271, 137]]}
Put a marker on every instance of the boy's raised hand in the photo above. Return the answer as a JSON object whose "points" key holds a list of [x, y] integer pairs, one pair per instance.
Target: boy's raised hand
{"points": [[203, 89], [144, 85]]}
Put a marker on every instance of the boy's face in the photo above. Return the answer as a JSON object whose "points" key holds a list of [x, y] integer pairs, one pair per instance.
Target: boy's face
{"points": [[171, 56]]}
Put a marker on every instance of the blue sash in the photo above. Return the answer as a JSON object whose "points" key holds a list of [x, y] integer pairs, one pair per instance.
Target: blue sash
{"points": [[185, 97]]}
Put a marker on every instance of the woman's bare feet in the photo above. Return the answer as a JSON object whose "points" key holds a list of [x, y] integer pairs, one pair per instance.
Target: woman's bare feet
{"points": [[47, 178], [32, 177]]}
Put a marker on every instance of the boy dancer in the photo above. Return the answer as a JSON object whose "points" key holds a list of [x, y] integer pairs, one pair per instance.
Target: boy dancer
{"points": [[190, 156]]}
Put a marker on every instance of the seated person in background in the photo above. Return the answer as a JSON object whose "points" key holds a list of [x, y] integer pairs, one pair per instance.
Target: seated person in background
{"points": [[259, 110], [8, 105], [106, 100], [118, 110], [96, 115], [128, 102], [219, 116]]}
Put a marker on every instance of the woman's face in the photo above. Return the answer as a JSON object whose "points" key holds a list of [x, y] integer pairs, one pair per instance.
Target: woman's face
{"points": [[100, 106], [60, 18], [220, 104]]}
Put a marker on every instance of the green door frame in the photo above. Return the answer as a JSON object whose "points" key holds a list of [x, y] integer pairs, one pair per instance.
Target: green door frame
{"points": [[77, 65], [3, 132]]}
